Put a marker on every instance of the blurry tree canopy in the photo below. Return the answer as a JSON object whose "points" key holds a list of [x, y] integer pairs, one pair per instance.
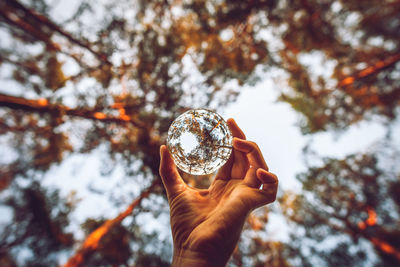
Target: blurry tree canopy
{"points": [[114, 75], [352, 202]]}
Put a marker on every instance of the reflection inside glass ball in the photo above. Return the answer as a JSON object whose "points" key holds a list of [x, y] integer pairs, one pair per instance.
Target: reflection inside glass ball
{"points": [[200, 141]]}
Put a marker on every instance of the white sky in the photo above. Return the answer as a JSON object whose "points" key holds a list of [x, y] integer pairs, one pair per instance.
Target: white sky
{"points": [[272, 125]]}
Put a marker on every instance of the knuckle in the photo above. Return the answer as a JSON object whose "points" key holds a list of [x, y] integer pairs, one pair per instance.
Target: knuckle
{"points": [[273, 198], [253, 145], [275, 177]]}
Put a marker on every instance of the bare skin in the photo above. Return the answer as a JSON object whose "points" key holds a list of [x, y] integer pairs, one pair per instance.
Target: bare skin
{"points": [[206, 224]]}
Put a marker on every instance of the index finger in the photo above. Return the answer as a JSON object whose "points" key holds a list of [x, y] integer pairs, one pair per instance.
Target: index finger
{"points": [[237, 164], [236, 131], [253, 152]]}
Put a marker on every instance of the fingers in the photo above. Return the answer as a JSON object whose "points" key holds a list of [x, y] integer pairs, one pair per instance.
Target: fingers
{"points": [[170, 176], [236, 131], [255, 159], [267, 194], [266, 177], [253, 152], [256, 177], [237, 164], [251, 179]]}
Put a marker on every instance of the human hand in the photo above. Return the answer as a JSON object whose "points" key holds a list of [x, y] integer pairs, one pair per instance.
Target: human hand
{"points": [[206, 224]]}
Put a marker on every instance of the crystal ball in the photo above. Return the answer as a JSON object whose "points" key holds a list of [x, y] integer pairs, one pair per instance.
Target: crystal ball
{"points": [[199, 141]]}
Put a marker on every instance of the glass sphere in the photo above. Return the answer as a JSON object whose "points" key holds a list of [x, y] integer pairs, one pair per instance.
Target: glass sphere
{"points": [[199, 141]]}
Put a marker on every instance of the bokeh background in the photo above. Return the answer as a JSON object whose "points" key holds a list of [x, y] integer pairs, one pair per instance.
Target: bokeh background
{"points": [[89, 88]]}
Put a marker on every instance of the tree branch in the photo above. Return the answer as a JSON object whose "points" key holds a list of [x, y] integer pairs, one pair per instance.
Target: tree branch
{"points": [[26, 27], [43, 106], [41, 19], [378, 66], [92, 242]]}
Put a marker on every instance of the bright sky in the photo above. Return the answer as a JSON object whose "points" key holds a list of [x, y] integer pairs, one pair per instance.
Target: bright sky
{"points": [[272, 125]]}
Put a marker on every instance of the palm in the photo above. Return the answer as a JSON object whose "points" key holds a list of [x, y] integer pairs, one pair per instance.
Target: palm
{"points": [[214, 216]]}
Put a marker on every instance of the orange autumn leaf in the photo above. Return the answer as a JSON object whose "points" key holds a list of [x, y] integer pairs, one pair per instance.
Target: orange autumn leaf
{"points": [[43, 102], [124, 117], [99, 115], [122, 111], [386, 247], [371, 220]]}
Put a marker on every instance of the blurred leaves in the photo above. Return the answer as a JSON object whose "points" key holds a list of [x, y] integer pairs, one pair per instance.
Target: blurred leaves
{"points": [[347, 197]]}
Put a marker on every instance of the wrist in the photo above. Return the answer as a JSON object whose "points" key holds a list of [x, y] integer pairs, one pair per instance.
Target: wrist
{"points": [[187, 257]]}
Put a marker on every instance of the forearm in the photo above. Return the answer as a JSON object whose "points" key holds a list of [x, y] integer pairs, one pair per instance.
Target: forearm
{"points": [[185, 257]]}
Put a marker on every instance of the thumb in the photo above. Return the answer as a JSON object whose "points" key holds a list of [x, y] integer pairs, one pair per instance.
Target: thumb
{"points": [[170, 176]]}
